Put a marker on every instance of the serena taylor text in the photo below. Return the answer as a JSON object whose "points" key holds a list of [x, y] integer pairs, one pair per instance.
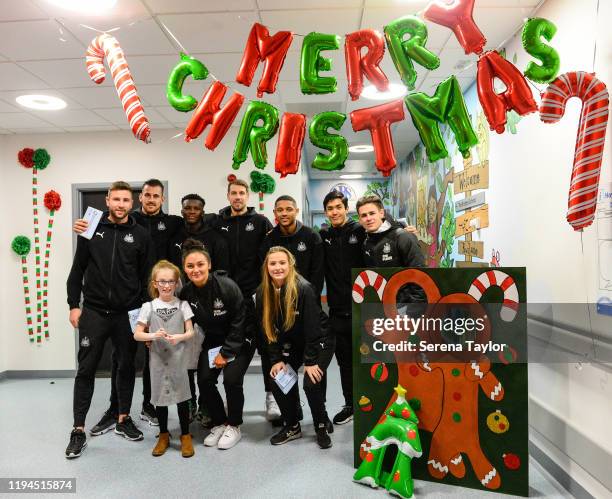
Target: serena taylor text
{"points": [[457, 325]]}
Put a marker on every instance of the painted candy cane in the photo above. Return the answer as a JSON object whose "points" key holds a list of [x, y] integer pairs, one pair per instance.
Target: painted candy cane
{"points": [[506, 283], [365, 279], [106, 45], [589, 142]]}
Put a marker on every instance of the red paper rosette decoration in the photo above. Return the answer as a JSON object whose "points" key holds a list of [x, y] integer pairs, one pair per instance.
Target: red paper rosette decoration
{"points": [[231, 177], [26, 157], [53, 200]]}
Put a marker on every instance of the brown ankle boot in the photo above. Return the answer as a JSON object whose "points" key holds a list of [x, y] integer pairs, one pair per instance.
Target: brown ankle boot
{"points": [[187, 446], [163, 442]]}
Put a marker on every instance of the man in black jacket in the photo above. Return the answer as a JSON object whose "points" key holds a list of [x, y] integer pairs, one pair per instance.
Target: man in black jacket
{"points": [[111, 271], [161, 227], [342, 245], [303, 242], [244, 230], [198, 227], [389, 246]]}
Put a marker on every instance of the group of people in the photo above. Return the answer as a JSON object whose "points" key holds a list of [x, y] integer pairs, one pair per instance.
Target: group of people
{"points": [[208, 291]]}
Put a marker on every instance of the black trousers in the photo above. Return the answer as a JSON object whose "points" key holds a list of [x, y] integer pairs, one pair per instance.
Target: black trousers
{"points": [[94, 329], [289, 403], [146, 381], [341, 328], [233, 378]]}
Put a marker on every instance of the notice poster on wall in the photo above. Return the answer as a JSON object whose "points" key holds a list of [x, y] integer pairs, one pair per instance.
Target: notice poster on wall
{"points": [[462, 358]]}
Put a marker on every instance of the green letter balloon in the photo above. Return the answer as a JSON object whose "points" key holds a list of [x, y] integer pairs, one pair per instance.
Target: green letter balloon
{"points": [[534, 29], [413, 49], [312, 63], [174, 88], [255, 137], [336, 144], [446, 106]]}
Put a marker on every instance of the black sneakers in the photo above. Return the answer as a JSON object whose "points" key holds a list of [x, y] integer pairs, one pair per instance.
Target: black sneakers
{"points": [[149, 415], [287, 434], [127, 429], [105, 424], [323, 439], [78, 442], [344, 416]]}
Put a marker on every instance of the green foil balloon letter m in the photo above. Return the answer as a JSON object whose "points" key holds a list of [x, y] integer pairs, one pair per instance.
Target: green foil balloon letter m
{"points": [[174, 88], [336, 144], [312, 63], [446, 106], [255, 137], [534, 29], [413, 49]]}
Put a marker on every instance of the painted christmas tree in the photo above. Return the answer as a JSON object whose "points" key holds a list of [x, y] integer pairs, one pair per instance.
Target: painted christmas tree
{"points": [[398, 426]]}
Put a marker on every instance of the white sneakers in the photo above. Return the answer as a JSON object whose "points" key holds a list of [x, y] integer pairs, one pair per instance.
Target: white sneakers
{"points": [[224, 437], [231, 436], [213, 437], [273, 412]]}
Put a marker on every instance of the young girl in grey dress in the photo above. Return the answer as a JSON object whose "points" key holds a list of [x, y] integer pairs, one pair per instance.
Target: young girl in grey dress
{"points": [[168, 321]]}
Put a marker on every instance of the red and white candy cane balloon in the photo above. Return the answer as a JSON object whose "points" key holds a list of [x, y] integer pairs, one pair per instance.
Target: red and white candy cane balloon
{"points": [[506, 283], [368, 278], [106, 45], [589, 142]]}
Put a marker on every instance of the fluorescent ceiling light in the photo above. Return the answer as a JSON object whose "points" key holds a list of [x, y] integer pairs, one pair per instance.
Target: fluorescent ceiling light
{"points": [[361, 148], [395, 91], [351, 176], [41, 102], [85, 6]]}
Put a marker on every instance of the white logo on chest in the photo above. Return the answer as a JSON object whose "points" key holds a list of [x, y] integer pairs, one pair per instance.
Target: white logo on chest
{"points": [[249, 227], [101, 234], [226, 229], [328, 241], [161, 226], [218, 303], [301, 246], [129, 238], [353, 239], [387, 248]]}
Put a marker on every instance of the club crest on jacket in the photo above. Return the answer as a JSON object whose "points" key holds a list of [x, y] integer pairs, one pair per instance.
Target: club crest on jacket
{"points": [[301, 246], [129, 238]]}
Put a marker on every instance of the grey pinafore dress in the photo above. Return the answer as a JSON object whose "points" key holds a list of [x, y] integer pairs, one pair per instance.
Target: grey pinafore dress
{"points": [[168, 363]]}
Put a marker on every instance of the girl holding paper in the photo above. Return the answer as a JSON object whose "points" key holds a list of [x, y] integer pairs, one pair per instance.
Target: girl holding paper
{"points": [[289, 313], [168, 321], [218, 309]]}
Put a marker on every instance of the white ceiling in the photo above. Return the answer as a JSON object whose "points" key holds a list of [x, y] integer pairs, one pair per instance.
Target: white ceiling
{"points": [[42, 50]]}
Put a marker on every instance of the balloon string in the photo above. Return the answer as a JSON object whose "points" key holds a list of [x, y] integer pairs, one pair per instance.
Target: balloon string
{"points": [[596, 26], [586, 289], [165, 28]]}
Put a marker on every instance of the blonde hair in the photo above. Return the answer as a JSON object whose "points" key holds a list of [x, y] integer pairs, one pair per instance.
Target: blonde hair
{"points": [[161, 265], [271, 303]]}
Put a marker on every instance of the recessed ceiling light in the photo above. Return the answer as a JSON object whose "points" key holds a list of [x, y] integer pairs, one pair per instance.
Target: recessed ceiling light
{"points": [[41, 102], [361, 148], [351, 176], [395, 90], [85, 6]]}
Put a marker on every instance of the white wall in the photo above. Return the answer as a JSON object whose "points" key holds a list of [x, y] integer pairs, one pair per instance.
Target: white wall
{"points": [[570, 403], [96, 157]]}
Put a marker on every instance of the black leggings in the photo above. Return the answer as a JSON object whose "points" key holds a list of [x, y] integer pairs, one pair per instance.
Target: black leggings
{"points": [[183, 414]]}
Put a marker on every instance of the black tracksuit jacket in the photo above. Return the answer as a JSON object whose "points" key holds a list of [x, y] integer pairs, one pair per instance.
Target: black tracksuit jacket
{"points": [[215, 245], [218, 308], [244, 235], [112, 268], [309, 332], [306, 246], [343, 249], [395, 248], [161, 227]]}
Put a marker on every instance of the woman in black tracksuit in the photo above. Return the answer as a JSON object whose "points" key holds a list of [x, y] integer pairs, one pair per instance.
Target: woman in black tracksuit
{"points": [[218, 308], [294, 328]]}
